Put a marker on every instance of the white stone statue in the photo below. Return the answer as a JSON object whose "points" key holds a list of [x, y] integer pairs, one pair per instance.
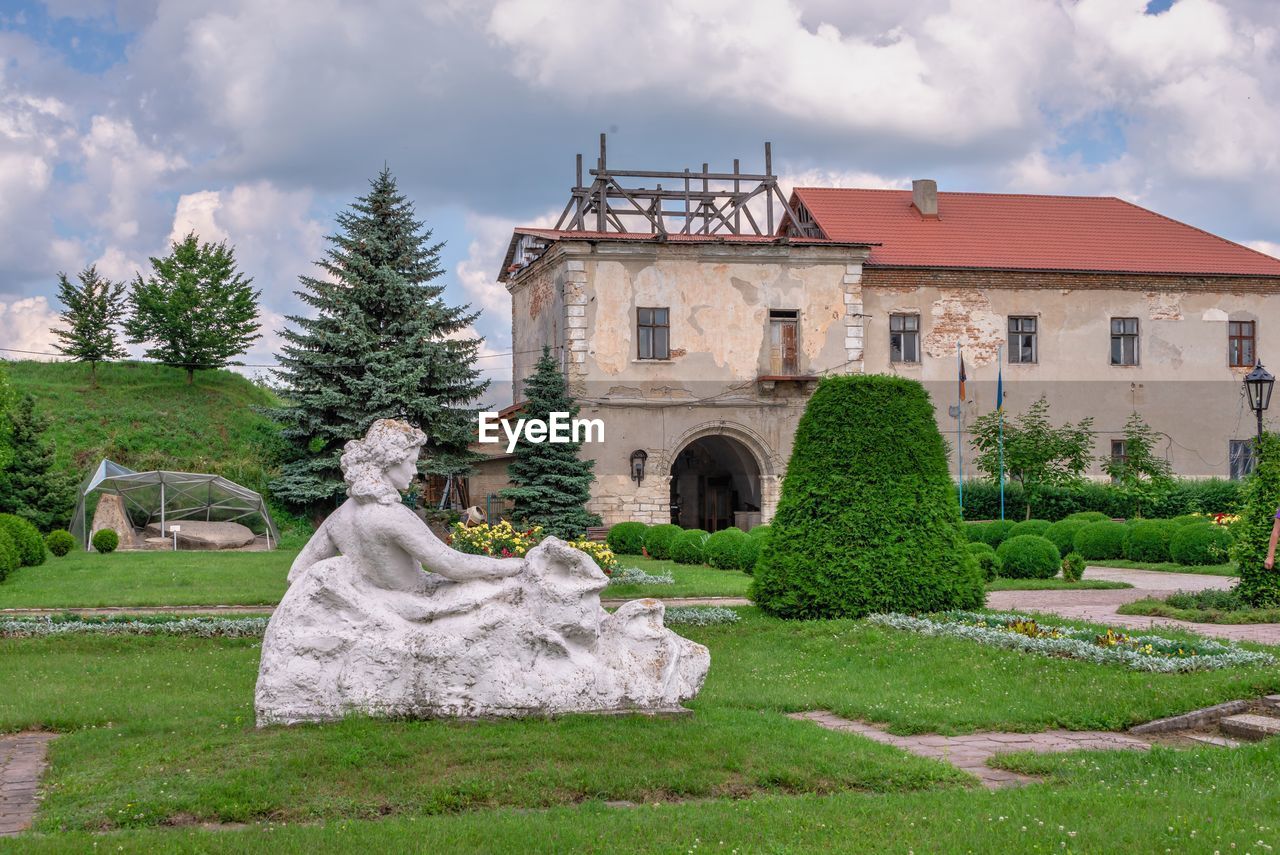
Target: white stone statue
{"points": [[382, 618]]}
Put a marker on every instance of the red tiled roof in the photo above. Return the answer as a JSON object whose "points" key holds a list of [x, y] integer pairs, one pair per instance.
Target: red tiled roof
{"points": [[1023, 232]]}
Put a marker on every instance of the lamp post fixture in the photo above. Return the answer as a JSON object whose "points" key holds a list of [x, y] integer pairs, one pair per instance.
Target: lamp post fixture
{"points": [[1258, 384]]}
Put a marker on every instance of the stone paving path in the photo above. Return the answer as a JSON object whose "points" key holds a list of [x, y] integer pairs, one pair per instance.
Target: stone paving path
{"points": [[109, 611], [22, 761], [1100, 606], [971, 751]]}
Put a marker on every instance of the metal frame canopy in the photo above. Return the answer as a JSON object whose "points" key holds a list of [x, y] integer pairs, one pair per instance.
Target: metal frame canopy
{"points": [[172, 496]]}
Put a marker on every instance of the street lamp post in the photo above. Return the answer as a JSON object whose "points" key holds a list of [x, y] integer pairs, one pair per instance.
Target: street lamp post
{"points": [[1258, 384]]}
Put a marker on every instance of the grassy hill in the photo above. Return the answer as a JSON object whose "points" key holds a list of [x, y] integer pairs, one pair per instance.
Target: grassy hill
{"points": [[145, 416]]}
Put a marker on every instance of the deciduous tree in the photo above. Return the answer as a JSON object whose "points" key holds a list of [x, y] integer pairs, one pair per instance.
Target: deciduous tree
{"points": [[196, 310]]}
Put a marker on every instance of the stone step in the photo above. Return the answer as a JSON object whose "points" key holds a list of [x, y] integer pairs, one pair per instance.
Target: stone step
{"points": [[1272, 702], [1250, 726]]}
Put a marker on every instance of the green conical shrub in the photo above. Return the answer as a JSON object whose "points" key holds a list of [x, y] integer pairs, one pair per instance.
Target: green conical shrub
{"points": [[868, 519], [1259, 587]]}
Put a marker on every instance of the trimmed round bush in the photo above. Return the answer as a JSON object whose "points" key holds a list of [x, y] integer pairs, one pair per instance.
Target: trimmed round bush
{"points": [[627, 538], [1063, 534], [1036, 527], [976, 532], [996, 532], [1191, 519], [106, 540], [1073, 567], [1088, 516], [26, 538], [750, 550], [760, 531], [723, 549], [658, 538], [1198, 545], [987, 560], [1029, 556], [1148, 540], [1101, 540], [689, 547], [868, 520], [9, 560], [60, 542]]}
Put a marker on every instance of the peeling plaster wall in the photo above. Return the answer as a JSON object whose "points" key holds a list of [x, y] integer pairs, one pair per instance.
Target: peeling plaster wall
{"points": [[719, 299], [1183, 385], [538, 316]]}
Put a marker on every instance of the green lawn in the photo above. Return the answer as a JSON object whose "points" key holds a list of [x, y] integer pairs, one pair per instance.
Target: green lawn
{"points": [[1167, 567], [1159, 608], [88, 579], [1055, 584], [1206, 800], [690, 581], [159, 732]]}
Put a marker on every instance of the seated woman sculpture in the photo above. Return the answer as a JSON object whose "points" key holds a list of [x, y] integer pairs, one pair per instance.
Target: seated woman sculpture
{"points": [[383, 618]]}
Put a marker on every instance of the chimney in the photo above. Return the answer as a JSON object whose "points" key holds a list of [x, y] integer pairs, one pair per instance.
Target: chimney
{"points": [[924, 195]]}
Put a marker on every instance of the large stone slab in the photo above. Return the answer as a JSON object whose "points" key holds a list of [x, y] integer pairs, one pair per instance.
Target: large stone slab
{"points": [[198, 534]]}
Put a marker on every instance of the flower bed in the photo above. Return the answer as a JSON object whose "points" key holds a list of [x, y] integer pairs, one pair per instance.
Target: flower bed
{"points": [[1021, 632], [506, 541], [201, 627], [636, 576], [700, 615]]}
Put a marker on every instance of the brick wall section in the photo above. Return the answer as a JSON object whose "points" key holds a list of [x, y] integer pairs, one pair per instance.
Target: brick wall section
{"points": [[933, 277]]}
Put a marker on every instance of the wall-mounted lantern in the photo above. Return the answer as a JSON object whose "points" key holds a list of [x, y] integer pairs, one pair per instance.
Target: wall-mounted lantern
{"points": [[638, 458]]}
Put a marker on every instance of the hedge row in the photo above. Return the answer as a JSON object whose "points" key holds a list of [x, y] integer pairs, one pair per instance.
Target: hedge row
{"points": [[730, 549], [1188, 539], [1212, 495]]}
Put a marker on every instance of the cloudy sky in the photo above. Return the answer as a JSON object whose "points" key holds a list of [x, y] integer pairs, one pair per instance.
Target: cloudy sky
{"points": [[123, 124]]}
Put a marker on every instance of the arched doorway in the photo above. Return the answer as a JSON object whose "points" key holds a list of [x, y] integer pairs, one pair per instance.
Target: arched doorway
{"points": [[715, 484]]}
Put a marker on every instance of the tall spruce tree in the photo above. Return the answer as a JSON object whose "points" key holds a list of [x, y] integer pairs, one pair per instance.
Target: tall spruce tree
{"points": [[551, 484], [29, 485], [196, 309], [93, 310], [382, 344]]}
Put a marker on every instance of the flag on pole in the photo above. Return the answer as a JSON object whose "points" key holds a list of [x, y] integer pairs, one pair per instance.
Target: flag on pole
{"points": [[999, 387], [963, 377]]}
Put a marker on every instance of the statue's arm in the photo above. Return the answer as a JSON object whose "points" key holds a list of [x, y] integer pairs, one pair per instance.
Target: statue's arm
{"points": [[417, 539], [318, 548]]}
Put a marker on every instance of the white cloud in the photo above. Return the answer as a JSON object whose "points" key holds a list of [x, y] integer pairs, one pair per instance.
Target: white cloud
{"points": [[274, 236], [478, 272], [26, 325], [1270, 247], [123, 170], [119, 265], [964, 73]]}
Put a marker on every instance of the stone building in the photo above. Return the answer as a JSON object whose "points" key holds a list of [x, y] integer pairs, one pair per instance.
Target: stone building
{"points": [[698, 346]]}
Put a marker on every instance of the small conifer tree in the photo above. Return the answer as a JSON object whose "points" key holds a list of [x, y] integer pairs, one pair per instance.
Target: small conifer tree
{"points": [[551, 485]]}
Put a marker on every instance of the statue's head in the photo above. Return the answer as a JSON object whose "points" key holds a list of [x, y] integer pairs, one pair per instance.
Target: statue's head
{"points": [[382, 464]]}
